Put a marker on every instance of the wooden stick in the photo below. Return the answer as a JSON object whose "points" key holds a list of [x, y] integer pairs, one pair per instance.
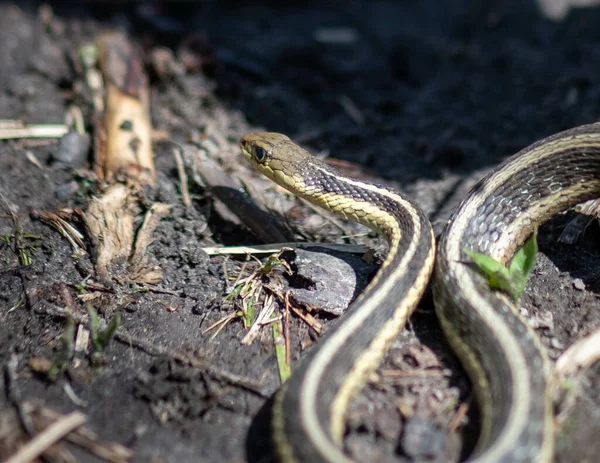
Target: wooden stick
{"points": [[48, 437]]}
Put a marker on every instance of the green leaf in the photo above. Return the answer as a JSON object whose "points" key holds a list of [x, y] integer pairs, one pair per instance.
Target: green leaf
{"points": [[511, 280], [525, 258], [522, 265], [107, 334], [272, 261], [94, 326], [498, 275], [248, 314]]}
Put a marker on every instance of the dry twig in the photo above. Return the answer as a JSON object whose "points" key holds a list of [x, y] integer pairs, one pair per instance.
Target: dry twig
{"points": [[276, 247], [579, 356], [185, 194], [307, 318], [48, 437]]}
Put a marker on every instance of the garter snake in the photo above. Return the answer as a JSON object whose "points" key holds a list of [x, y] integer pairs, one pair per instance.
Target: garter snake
{"points": [[504, 358]]}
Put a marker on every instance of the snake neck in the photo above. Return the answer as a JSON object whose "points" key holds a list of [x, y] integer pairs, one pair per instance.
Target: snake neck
{"points": [[317, 395]]}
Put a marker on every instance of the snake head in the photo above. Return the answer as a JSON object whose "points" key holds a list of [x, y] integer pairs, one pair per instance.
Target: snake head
{"points": [[277, 157], [258, 147]]}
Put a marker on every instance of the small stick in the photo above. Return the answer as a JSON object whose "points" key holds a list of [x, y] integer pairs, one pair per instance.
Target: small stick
{"points": [[458, 417], [212, 371], [34, 131], [82, 436], [579, 356], [185, 194], [308, 319], [222, 321], [48, 437]]}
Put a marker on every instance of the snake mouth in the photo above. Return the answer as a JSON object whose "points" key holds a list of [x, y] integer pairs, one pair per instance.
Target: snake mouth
{"points": [[245, 149]]}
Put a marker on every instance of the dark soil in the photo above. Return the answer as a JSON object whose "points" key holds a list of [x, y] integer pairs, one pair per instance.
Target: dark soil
{"points": [[442, 91]]}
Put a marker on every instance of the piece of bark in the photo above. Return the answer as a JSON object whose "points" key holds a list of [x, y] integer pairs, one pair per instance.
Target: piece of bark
{"points": [[128, 147], [124, 157]]}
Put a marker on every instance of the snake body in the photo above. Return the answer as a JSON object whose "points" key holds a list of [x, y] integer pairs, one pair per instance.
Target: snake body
{"points": [[504, 358]]}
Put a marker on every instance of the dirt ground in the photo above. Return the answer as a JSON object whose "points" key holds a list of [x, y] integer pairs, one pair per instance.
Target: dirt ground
{"points": [[425, 96]]}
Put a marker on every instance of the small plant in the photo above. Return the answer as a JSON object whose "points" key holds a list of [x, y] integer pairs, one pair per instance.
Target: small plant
{"points": [[22, 244], [101, 338], [65, 351], [140, 289], [513, 279], [80, 287], [272, 261]]}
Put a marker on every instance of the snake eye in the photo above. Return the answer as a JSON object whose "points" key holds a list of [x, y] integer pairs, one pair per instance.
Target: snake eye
{"points": [[260, 154]]}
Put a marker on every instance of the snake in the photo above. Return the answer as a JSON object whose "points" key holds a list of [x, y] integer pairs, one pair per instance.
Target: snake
{"points": [[504, 358]]}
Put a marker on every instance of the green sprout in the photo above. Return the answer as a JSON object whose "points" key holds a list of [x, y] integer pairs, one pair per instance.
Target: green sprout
{"points": [[511, 280], [24, 245], [272, 261], [236, 291], [87, 55], [140, 289], [101, 338], [65, 351], [248, 314]]}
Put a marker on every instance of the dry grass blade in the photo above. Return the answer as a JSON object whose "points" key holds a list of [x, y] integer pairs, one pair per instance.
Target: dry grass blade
{"points": [[276, 247], [68, 232], [16, 129], [569, 370], [264, 318], [221, 323], [459, 418]]}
